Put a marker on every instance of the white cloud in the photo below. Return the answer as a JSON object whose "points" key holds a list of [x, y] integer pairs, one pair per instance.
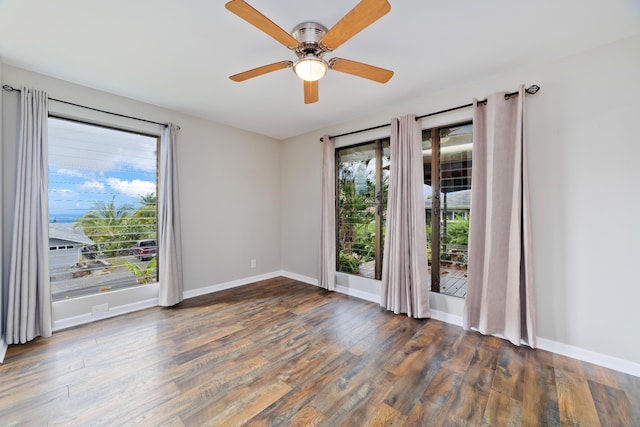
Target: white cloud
{"points": [[71, 172], [135, 188], [75, 145], [61, 191], [93, 186]]}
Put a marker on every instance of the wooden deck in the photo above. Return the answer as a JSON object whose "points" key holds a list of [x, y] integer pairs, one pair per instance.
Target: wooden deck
{"points": [[283, 353], [452, 281]]}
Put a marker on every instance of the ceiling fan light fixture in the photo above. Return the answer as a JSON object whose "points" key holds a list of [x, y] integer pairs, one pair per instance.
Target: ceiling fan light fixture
{"points": [[310, 42], [310, 68]]}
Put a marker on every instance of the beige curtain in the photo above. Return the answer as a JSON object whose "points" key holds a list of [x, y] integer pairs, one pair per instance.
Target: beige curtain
{"points": [[500, 294], [170, 242], [404, 265], [29, 293], [327, 268]]}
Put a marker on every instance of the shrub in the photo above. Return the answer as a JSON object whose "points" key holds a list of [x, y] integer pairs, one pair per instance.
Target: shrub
{"points": [[349, 263]]}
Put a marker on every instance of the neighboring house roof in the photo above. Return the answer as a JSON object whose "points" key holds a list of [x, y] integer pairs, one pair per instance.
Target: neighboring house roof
{"points": [[67, 231], [455, 200]]}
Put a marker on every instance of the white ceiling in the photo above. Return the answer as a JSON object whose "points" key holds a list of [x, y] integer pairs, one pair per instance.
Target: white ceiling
{"points": [[179, 54]]}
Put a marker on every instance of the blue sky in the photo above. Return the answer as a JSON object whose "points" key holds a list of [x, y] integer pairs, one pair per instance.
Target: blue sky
{"points": [[91, 163]]}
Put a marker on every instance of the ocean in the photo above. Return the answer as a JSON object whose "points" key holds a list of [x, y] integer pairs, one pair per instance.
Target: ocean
{"points": [[64, 217]]}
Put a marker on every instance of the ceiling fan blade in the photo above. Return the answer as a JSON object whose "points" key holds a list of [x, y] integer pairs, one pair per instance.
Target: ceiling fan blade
{"points": [[360, 17], [359, 69], [310, 92], [255, 18], [240, 77]]}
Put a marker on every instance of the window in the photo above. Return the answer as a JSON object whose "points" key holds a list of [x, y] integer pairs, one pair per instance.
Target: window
{"points": [[447, 158], [102, 201], [362, 186]]}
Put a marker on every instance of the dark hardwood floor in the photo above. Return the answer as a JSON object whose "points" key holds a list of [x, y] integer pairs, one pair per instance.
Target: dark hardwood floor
{"points": [[283, 353]]}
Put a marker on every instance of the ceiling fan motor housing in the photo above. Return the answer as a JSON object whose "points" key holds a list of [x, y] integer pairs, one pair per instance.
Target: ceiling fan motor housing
{"points": [[309, 35]]}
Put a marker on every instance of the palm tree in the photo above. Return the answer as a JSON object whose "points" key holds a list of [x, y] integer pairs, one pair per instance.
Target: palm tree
{"points": [[145, 218], [109, 226], [148, 199]]}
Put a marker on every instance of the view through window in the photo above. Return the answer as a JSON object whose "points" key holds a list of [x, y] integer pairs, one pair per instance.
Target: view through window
{"points": [[362, 187], [363, 183], [447, 155], [102, 208]]}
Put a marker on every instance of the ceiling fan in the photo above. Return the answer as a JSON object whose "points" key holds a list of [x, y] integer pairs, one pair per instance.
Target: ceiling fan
{"points": [[311, 41]]}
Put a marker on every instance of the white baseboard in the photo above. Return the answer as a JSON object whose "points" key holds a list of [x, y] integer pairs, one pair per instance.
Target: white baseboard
{"points": [[445, 317], [589, 356], [367, 296], [112, 312], [228, 285], [300, 278]]}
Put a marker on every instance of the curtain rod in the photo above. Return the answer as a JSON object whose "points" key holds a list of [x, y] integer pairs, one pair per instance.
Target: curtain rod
{"points": [[530, 90], [12, 89]]}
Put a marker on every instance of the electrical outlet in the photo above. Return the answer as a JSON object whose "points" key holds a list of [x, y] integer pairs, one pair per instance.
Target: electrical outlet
{"points": [[100, 308], [253, 263]]}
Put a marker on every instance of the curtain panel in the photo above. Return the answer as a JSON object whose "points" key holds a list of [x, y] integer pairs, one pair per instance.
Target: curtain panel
{"points": [[327, 264], [29, 289], [404, 265], [169, 231], [500, 292]]}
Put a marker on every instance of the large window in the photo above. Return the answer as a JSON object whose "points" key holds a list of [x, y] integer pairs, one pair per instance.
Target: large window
{"points": [[362, 186], [447, 187], [102, 208]]}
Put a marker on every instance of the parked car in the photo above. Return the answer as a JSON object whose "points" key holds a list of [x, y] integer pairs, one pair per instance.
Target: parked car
{"points": [[145, 249]]}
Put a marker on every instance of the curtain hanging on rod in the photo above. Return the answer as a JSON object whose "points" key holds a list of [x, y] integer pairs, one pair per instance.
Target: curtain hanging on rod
{"points": [[29, 290], [530, 90], [404, 266], [171, 287], [500, 292], [327, 264], [9, 88]]}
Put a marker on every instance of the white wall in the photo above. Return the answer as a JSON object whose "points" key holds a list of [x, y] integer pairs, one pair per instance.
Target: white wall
{"points": [[583, 153], [229, 186], [3, 345]]}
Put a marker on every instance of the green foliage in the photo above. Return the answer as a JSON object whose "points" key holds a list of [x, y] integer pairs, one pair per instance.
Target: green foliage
{"points": [[114, 228], [457, 238], [458, 231], [454, 248], [145, 275], [356, 216], [349, 263], [149, 199], [107, 225], [145, 218]]}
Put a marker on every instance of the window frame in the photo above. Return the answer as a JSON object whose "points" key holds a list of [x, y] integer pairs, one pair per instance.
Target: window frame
{"points": [[128, 130], [455, 118], [379, 201]]}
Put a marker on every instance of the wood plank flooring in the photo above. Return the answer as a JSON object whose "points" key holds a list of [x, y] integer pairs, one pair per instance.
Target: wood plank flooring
{"points": [[282, 353]]}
